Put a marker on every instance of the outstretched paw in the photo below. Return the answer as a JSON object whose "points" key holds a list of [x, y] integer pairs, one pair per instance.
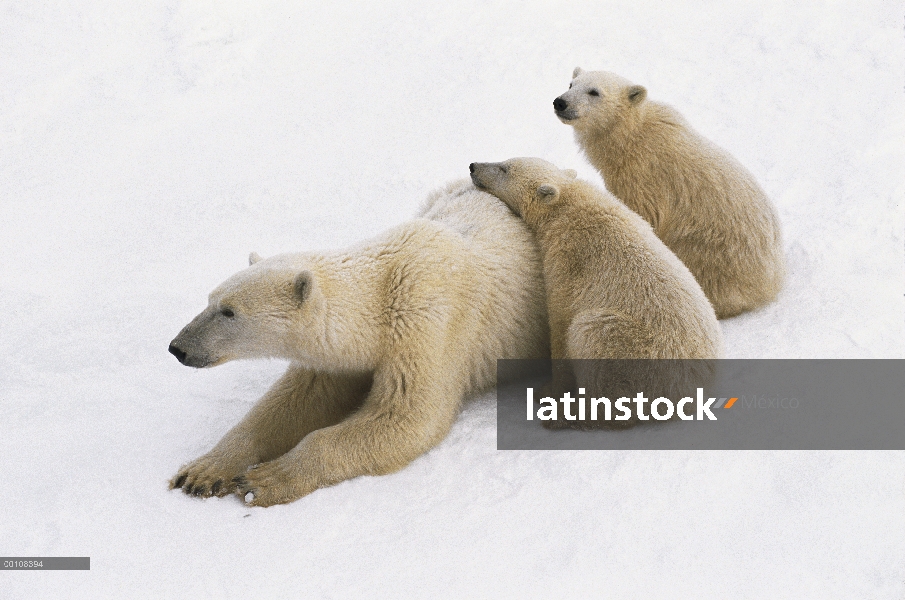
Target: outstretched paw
{"points": [[205, 477], [268, 484]]}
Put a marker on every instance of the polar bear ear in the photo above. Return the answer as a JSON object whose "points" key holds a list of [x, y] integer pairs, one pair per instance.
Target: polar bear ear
{"points": [[303, 286], [636, 93], [577, 72], [570, 173], [547, 192], [253, 258]]}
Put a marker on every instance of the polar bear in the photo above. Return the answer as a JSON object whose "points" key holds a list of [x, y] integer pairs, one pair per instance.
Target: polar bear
{"points": [[385, 339], [701, 202], [614, 290]]}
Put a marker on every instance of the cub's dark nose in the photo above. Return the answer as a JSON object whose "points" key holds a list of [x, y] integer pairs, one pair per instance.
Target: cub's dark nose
{"points": [[471, 168], [179, 354], [560, 104]]}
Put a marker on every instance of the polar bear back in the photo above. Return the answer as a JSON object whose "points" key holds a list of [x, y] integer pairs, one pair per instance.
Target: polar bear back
{"points": [[506, 300]]}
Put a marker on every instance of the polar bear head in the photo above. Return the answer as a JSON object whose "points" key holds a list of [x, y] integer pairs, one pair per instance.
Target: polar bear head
{"points": [[527, 185], [596, 99], [262, 311]]}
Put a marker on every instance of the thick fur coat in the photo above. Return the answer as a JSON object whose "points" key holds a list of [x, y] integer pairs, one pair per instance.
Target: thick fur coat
{"points": [[703, 204], [614, 290], [385, 339]]}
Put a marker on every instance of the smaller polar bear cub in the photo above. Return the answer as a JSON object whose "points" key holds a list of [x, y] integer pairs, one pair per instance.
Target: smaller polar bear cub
{"points": [[614, 290], [703, 204]]}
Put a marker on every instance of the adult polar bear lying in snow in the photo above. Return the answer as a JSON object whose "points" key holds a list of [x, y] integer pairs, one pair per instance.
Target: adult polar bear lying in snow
{"points": [[385, 339]]}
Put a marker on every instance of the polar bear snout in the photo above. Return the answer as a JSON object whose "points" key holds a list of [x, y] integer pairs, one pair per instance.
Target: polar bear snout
{"points": [[189, 352], [475, 176], [197, 361], [490, 177], [563, 110], [484, 175], [179, 354]]}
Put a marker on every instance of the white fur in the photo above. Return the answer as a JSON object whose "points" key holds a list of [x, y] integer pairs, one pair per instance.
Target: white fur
{"points": [[386, 339]]}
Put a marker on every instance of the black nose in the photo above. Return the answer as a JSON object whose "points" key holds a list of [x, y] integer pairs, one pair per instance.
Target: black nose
{"points": [[179, 354], [560, 104], [471, 168]]}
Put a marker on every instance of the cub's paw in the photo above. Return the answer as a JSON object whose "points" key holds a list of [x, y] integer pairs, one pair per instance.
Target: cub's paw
{"points": [[205, 477], [270, 483]]}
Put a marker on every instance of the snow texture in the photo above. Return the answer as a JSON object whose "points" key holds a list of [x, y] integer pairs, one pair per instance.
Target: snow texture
{"points": [[146, 148]]}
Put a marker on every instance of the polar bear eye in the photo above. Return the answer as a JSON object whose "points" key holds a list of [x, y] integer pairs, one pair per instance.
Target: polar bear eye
{"points": [[227, 312], [594, 93]]}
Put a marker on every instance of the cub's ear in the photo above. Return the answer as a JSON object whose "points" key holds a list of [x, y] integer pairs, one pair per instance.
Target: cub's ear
{"points": [[253, 258], [570, 173], [577, 72], [304, 285], [636, 94], [547, 192]]}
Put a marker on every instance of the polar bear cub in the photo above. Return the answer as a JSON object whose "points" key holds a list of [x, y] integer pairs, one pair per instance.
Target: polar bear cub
{"points": [[701, 202], [614, 290], [385, 339]]}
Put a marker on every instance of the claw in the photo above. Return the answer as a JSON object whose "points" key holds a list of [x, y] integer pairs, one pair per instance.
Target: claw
{"points": [[179, 482], [216, 487]]}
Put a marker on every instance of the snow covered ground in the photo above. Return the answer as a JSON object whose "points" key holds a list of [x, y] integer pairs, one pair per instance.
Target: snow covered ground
{"points": [[146, 148]]}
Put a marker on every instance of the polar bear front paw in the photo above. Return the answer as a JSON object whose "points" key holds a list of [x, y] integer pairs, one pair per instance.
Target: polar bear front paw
{"points": [[270, 483], [205, 477]]}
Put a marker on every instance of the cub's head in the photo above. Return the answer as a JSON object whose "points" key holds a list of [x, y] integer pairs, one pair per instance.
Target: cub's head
{"points": [[526, 185], [596, 99], [258, 312]]}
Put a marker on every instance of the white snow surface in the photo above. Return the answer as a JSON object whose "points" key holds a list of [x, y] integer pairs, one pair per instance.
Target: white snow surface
{"points": [[146, 148]]}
